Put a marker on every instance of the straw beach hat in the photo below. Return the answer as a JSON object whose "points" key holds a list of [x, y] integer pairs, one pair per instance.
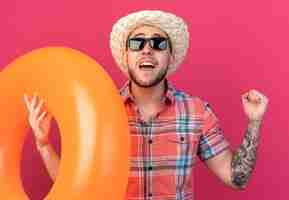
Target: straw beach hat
{"points": [[175, 27]]}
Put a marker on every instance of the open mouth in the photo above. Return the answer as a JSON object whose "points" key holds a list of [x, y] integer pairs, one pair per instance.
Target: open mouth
{"points": [[146, 66]]}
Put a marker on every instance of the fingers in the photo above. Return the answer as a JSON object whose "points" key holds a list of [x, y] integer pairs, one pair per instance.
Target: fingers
{"points": [[26, 100], [254, 96], [36, 112], [34, 101], [41, 117], [30, 102], [245, 98], [34, 107]]}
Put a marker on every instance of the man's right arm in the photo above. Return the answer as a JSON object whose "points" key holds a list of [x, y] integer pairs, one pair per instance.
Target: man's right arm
{"points": [[40, 121], [50, 159]]}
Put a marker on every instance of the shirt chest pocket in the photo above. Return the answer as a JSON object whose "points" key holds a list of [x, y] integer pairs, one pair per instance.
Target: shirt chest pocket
{"points": [[175, 146]]}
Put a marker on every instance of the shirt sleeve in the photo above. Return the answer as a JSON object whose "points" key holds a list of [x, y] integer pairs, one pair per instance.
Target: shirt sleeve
{"points": [[212, 140]]}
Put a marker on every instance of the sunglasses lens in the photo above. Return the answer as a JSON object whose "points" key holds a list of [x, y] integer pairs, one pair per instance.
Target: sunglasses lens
{"points": [[136, 44], [159, 43]]}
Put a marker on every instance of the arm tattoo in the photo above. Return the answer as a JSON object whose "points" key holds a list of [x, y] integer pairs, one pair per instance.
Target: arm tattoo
{"points": [[244, 159]]}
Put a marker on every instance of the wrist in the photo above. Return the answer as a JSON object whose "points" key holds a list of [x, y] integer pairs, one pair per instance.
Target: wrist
{"points": [[253, 130], [40, 146], [255, 121]]}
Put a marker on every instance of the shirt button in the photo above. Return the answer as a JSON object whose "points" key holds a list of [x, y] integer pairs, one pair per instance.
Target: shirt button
{"points": [[182, 139], [150, 194], [150, 141], [150, 168]]}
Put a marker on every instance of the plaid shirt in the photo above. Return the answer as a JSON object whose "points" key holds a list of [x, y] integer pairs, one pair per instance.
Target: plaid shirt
{"points": [[164, 149]]}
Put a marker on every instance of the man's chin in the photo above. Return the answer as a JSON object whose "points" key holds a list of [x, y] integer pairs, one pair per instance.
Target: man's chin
{"points": [[146, 84]]}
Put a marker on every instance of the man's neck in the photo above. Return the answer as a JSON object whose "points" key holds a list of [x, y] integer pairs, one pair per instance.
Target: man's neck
{"points": [[148, 96]]}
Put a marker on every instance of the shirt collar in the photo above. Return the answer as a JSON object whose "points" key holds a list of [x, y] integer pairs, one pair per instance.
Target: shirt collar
{"points": [[169, 96]]}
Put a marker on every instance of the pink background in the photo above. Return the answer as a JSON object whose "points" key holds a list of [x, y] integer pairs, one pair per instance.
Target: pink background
{"points": [[235, 46]]}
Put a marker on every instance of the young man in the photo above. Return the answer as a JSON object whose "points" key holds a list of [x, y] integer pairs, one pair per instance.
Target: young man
{"points": [[168, 127]]}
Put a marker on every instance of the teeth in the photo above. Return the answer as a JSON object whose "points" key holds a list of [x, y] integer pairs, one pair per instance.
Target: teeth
{"points": [[147, 63]]}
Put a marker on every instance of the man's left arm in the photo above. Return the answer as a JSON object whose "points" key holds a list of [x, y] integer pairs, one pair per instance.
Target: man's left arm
{"points": [[235, 168]]}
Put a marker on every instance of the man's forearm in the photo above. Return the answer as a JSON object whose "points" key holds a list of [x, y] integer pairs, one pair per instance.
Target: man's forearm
{"points": [[244, 159], [50, 159]]}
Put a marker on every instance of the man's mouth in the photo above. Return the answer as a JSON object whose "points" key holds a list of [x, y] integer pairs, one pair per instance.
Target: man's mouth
{"points": [[147, 66]]}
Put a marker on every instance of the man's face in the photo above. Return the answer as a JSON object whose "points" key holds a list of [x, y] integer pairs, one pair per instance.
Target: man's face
{"points": [[148, 67]]}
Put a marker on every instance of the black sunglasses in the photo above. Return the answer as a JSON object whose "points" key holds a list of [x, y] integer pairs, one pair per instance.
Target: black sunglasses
{"points": [[156, 43]]}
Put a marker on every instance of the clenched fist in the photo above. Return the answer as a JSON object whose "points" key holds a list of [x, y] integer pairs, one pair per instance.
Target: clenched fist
{"points": [[255, 104]]}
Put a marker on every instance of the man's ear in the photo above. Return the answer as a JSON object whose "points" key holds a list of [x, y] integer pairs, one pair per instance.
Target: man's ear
{"points": [[125, 58], [172, 58]]}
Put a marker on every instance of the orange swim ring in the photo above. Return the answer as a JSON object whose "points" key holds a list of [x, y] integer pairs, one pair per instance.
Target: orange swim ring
{"points": [[90, 115]]}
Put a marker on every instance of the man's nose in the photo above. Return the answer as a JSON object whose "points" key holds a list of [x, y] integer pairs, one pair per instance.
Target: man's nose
{"points": [[147, 49]]}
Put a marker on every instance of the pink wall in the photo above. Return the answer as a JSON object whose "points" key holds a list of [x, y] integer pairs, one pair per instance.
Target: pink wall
{"points": [[235, 45]]}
